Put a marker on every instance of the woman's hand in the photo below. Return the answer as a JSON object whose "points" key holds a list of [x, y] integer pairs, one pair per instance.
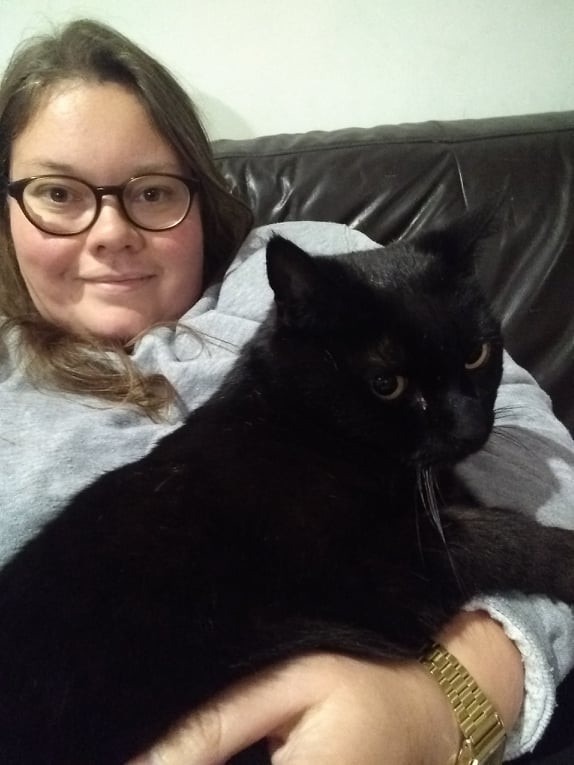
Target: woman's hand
{"points": [[322, 710], [333, 710]]}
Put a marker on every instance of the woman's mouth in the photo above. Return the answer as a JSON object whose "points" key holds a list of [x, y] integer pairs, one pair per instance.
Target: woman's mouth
{"points": [[119, 282]]}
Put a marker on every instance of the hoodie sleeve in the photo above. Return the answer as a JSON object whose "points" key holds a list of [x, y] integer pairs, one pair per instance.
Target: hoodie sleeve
{"points": [[528, 464]]}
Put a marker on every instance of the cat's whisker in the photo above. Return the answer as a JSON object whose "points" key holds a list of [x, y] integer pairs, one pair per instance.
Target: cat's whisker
{"points": [[329, 356], [504, 433], [502, 412], [429, 493], [427, 490], [205, 338], [220, 342]]}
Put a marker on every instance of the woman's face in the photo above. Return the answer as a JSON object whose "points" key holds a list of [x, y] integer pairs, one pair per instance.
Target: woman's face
{"points": [[113, 280]]}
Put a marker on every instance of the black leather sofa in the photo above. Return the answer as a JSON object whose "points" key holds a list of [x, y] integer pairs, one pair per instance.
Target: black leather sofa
{"points": [[391, 181]]}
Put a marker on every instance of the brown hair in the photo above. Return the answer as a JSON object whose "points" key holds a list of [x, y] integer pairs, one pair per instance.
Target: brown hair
{"points": [[92, 51]]}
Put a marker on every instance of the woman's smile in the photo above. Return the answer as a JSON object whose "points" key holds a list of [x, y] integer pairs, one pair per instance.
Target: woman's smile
{"points": [[119, 282]]}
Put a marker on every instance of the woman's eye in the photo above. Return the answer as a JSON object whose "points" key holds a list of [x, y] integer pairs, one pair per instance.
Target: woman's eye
{"points": [[389, 387], [55, 194], [151, 195], [155, 195], [478, 357], [58, 194]]}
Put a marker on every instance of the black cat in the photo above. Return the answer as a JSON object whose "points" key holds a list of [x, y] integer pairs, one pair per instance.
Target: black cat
{"points": [[285, 516]]}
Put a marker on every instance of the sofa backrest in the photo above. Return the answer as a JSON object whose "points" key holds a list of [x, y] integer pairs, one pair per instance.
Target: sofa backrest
{"points": [[392, 181]]}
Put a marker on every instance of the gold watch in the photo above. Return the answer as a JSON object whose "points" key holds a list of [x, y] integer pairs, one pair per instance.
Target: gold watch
{"points": [[483, 734]]}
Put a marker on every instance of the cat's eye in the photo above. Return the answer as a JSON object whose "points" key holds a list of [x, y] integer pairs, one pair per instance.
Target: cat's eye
{"points": [[389, 387], [478, 357]]}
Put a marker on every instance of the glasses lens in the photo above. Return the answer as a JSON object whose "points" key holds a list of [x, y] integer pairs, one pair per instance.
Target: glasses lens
{"points": [[59, 205], [156, 202]]}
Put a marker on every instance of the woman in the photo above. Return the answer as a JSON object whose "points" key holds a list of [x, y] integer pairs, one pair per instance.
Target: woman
{"points": [[82, 113]]}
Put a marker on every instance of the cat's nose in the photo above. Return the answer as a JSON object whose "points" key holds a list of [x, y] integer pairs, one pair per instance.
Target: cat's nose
{"points": [[469, 432]]}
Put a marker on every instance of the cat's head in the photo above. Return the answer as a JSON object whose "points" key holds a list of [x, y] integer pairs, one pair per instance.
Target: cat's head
{"points": [[394, 347]]}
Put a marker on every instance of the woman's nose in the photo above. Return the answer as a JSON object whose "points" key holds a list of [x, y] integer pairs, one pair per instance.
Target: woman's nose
{"points": [[112, 229]]}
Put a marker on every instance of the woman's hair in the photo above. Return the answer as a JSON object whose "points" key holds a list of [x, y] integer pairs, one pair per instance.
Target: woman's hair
{"points": [[90, 51]]}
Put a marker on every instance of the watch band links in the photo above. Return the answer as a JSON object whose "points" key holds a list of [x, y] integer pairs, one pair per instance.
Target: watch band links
{"points": [[483, 734]]}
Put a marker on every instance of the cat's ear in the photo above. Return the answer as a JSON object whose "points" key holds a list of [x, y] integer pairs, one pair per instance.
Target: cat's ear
{"points": [[459, 242], [292, 275]]}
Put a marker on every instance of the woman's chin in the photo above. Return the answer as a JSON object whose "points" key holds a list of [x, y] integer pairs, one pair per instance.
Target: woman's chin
{"points": [[113, 330]]}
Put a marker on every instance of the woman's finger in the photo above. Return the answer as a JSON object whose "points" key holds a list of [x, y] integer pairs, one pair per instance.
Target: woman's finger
{"points": [[259, 707]]}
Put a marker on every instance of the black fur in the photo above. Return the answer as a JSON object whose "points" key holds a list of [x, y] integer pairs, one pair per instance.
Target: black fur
{"points": [[285, 516]]}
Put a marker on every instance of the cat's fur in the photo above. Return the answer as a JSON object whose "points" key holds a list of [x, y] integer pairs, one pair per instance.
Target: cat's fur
{"points": [[285, 516]]}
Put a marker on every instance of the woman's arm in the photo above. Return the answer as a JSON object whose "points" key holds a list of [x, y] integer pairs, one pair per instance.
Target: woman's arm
{"points": [[334, 710], [483, 648]]}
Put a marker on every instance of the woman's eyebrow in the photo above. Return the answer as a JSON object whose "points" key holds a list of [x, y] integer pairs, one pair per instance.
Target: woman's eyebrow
{"points": [[47, 165], [63, 168], [157, 167]]}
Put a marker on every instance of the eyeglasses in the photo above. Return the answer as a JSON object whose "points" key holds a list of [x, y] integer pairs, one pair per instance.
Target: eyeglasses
{"points": [[63, 205]]}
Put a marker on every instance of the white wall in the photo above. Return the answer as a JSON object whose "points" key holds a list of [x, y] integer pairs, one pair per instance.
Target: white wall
{"points": [[268, 66]]}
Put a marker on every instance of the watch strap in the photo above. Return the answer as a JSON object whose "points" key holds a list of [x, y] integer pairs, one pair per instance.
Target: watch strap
{"points": [[483, 734]]}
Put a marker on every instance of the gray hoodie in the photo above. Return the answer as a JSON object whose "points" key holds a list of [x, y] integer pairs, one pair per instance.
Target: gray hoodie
{"points": [[52, 444]]}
